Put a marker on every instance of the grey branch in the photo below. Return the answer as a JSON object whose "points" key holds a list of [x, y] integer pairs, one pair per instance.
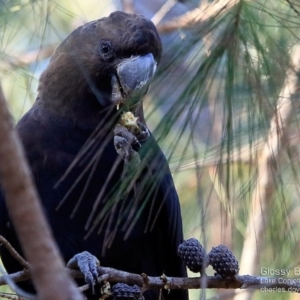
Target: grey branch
{"points": [[14, 253], [28, 219], [210, 282]]}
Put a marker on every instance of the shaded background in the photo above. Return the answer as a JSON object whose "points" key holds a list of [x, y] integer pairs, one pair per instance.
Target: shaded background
{"points": [[214, 107]]}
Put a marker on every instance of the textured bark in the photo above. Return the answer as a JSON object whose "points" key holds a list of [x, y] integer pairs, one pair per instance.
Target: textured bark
{"points": [[267, 284], [47, 268]]}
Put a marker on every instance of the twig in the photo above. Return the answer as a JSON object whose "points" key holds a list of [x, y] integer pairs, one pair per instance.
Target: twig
{"points": [[212, 282], [99, 279], [29, 57], [128, 6], [293, 7], [160, 14], [16, 277], [14, 253], [11, 296], [244, 154], [197, 16], [149, 282], [220, 190]]}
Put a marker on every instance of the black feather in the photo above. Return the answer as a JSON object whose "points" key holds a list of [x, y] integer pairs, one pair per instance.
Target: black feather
{"points": [[68, 139]]}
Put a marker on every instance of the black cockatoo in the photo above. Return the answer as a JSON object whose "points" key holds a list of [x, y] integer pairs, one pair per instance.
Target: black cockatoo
{"points": [[96, 195]]}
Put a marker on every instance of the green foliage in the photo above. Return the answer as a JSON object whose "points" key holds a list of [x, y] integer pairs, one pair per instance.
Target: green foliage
{"points": [[234, 68]]}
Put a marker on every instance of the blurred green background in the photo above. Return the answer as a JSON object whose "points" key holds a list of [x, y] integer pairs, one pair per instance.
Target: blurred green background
{"points": [[212, 107]]}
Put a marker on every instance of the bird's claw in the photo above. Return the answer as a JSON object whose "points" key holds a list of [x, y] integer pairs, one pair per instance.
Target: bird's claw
{"points": [[87, 264], [128, 134], [143, 133], [123, 141]]}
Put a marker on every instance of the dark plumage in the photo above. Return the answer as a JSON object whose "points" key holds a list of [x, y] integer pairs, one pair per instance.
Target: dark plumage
{"points": [[68, 136]]}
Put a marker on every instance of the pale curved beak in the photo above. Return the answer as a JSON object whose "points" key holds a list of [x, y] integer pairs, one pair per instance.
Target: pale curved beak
{"points": [[132, 78]]}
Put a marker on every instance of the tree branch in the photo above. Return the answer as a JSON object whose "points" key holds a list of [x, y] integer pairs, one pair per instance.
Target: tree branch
{"points": [[29, 57], [161, 13], [11, 296], [197, 16], [47, 268], [164, 282], [128, 6], [212, 282], [14, 253]]}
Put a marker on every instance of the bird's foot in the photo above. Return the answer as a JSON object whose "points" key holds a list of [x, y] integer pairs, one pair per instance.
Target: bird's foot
{"points": [[123, 141], [87, 264], [133, 125], [127, 137]]}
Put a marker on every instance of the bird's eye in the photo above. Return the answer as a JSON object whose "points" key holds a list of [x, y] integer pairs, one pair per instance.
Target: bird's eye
{"points": [[106, 50]]}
